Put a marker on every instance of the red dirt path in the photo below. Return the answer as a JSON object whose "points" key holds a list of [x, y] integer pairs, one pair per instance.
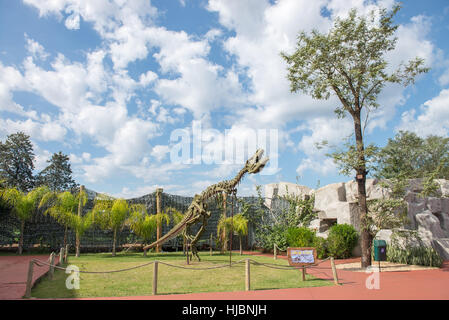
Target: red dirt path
{"points": [[14, 273]]}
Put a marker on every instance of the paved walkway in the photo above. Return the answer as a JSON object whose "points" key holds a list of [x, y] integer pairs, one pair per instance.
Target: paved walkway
{"points": [[14, 272]]}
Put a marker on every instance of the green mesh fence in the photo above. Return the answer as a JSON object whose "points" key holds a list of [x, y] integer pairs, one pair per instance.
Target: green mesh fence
{"points": [[42, 231]]}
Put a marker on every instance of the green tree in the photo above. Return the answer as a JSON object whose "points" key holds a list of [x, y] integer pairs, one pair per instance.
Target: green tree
{"points": [[224, 226], [23, 205], [80, 224], [349, 61], [61, 206], [113, 215], [240, 227], [16, 161], [408, 155], [142, 224], [58, 174], [145, 225]]}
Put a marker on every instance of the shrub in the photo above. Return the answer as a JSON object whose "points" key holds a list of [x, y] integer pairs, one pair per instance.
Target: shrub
{"points": [[424, 256], [322, 251], [274, 235], [300, 237], [342, 240]]}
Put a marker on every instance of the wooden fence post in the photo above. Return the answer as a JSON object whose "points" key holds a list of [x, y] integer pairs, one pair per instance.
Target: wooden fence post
{"points": [[61, 256], [29, 280], [155, 267], [159, 223], [51, 270], [211, 244], [247, 276], [303, 273], [275, 252], [334, 271]]}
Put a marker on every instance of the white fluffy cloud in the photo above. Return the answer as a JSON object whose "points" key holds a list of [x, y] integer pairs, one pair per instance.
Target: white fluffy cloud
{"points": [[433, 118], [35, 48], [92, 98], [50, 131]]}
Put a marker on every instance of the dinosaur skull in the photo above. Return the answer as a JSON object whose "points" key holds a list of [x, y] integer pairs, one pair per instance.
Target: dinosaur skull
{"points": [[255, 164]]}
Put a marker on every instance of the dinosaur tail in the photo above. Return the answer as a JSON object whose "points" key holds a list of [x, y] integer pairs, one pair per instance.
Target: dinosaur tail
{"points": [[175, 231]]}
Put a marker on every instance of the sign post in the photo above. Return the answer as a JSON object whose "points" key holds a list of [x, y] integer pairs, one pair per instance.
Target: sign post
{"points": [[301, 257]]}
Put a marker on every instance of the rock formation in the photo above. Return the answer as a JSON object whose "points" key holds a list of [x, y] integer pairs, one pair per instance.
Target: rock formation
{"points": [[337, 203]]}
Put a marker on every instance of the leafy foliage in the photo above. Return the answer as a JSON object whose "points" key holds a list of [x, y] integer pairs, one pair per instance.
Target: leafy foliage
{"points": [[300, 211], [141, 223], [390, 211], [300, 237], [349, 61], [223, 228], [342, 240], [275, 234], [321, 246], [348, 160], [61, 205], [411, 156], [424, 256], [240, 224], [23, 205]]}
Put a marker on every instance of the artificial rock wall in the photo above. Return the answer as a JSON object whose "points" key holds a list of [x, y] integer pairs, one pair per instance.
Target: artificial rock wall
{"points": [[337, 203]]}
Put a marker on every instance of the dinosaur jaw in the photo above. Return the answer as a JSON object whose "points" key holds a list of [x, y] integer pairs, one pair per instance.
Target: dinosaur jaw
{"points": [[255, 164]]}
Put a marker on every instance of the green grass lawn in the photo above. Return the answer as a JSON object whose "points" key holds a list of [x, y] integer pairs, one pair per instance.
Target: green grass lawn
{"points": [[171, 280]]}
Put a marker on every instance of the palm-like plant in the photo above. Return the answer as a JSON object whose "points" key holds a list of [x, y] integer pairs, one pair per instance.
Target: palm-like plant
{"points": [[80, 224], [113, 215], [240, 227], [60, 206], [142, 224], [223, 228], [23, 205]]}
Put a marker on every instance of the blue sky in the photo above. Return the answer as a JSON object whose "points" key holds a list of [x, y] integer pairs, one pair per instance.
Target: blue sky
{"points": [[108, 82]]}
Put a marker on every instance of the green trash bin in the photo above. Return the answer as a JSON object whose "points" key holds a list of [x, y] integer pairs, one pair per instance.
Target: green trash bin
{"points": [[380, 250]]}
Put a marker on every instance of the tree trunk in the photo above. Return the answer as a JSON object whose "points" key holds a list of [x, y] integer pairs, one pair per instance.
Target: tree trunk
{"points": [[159, 223], [65, 236], [80, 209], [113, 243], [22, 229], [78, 245], [361, 187], [241, 251]]}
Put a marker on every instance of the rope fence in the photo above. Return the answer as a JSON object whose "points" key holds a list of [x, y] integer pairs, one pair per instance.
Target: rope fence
{"points": [[63, 253]]}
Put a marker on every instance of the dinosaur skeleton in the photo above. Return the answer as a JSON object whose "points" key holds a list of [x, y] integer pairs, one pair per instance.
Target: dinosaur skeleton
{"points": [[197, 211]]}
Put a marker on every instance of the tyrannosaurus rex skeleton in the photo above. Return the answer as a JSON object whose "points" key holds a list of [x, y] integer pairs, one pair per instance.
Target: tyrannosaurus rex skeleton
{"points": [[197, 211]]}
